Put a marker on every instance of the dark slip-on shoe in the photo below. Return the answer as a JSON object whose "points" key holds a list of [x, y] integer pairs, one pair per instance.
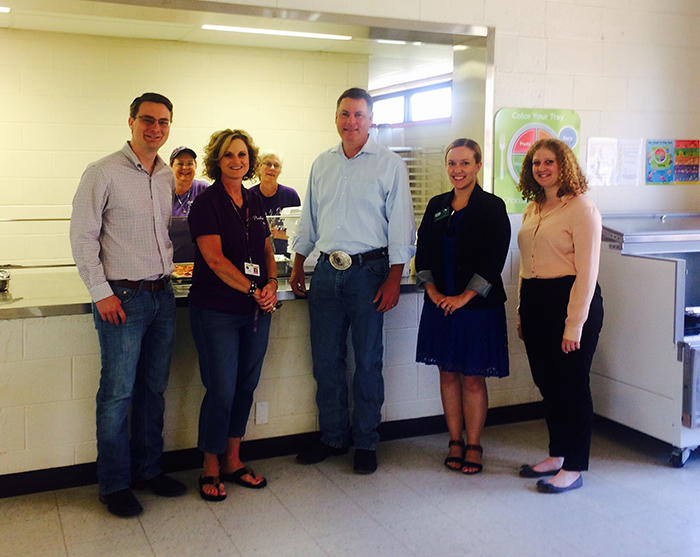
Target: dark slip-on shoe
{"points": [[365, 461], [122, 503], [318, 453], [527, 471], [544, 486], [162, 485]]}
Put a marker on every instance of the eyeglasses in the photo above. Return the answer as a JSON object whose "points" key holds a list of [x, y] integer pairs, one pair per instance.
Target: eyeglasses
{"points": [[272, 165], [149, 121], [188, 164]]}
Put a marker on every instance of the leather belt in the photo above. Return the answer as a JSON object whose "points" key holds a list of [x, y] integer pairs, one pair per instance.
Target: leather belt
{"points": [[341, 260], [150, 285]]}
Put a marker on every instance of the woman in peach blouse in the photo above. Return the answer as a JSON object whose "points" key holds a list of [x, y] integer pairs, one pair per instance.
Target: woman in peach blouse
{"points": [[561, 310]]}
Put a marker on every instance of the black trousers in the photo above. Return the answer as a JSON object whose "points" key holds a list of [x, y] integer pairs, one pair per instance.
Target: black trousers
{"points": [[563, 379]]}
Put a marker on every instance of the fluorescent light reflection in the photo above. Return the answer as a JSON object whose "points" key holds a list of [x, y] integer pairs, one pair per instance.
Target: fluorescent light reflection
{"points": [[4, 10], [275, 32], [389, 41]]}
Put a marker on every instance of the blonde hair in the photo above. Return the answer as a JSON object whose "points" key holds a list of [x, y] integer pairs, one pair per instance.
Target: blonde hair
{"points": [[219, 143]]}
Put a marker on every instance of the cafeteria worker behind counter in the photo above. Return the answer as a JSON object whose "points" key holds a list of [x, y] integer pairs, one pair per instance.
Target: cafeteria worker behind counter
{"points": [[183, 161]]}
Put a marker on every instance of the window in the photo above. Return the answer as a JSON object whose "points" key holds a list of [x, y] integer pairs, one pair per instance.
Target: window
{"points": [[389, 111], [431, 104], [419, 104], [411, 106]]}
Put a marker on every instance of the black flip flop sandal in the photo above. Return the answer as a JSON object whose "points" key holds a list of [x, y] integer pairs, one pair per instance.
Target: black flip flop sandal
{"points": [[210, 480], [237, 478]]}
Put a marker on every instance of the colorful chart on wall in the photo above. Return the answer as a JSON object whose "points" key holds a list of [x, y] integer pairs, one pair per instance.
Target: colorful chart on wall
{"points": [[516, 130], [673, 162]]}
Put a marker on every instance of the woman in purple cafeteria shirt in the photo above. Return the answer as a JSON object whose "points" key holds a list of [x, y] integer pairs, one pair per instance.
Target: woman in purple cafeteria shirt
{"points": [[275, 196], [183, 161], [233, 293]]}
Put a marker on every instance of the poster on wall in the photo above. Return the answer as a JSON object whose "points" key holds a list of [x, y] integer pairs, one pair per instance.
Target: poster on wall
{"points": [[516, 130], [613, 162], [670, 162], [686, 169]]}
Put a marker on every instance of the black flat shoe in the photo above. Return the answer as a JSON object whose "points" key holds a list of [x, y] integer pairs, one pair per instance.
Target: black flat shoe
{"points": [[527, 471], [365, 461], [318, 453], [122, 503], [162, 485], [544, 486]]}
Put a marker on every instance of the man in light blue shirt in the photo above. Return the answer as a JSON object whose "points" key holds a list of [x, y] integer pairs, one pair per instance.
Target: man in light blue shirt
{"points": [[359, 214]]}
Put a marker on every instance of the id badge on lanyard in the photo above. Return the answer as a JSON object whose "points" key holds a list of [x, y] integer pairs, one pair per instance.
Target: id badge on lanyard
{"points": [[252, 269], [249, 268]]}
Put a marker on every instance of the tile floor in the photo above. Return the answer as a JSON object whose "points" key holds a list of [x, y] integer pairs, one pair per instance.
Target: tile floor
{"points": [[632, 504]]}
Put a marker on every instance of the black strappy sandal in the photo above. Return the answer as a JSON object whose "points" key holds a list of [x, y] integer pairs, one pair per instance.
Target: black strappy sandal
{"points": [[459, 461], [467, 464]]}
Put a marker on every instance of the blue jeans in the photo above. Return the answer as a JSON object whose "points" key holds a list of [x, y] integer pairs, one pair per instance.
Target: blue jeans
{"points": [[135, 367], [339, 300], [231, 355]]}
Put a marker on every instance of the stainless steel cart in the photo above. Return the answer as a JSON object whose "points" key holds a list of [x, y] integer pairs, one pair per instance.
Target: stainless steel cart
{"points": [[649, 275]]}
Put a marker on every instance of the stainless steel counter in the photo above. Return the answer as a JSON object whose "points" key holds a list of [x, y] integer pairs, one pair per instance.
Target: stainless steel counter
{"points": [[653, 233], [46, 292]]}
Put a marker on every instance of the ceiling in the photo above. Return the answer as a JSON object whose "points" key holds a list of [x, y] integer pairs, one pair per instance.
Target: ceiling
{"points": [[424, 51]]}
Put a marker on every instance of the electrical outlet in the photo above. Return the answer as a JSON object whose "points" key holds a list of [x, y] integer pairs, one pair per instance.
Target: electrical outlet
{"points": [[262, 413]]}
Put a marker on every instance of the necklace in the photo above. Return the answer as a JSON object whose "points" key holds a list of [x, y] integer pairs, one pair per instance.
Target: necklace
{"points": [[186, 205]]}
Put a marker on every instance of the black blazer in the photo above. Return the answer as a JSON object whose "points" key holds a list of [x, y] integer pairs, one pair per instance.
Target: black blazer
{"points": [[482, 245]]}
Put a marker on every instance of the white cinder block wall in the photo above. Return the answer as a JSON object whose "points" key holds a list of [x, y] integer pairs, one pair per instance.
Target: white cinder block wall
{"points": [[50, 370], [64, 102], [627, 66]]}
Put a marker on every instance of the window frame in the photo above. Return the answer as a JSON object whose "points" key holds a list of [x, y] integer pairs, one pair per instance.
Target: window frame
{"points": [[406, 94]]}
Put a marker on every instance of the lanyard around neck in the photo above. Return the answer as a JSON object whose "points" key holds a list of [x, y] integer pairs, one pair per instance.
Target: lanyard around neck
{"points": [[245, 221]]}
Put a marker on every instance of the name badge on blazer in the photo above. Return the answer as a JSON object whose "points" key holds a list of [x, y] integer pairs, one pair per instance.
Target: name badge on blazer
{"points": [[441, 214]]}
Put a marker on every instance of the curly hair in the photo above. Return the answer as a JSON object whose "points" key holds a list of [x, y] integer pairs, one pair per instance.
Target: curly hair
{"points": [[571, 178], [219, 144]]}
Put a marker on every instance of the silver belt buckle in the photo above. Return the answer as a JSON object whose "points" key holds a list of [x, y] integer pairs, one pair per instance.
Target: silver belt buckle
{"points": [[340, 260]]}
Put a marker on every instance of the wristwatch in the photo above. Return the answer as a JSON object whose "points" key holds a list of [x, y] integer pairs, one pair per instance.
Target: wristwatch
{"points": [[252, 289]]}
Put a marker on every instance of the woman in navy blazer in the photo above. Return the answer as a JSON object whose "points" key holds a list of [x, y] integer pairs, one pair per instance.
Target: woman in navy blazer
{"points": [[463, 243]]}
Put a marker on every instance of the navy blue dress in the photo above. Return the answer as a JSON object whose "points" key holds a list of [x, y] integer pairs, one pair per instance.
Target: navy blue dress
{"points": [[468, 341]]}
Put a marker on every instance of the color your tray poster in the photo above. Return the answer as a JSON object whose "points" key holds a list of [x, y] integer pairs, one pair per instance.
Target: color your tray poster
{"points": [[516, 130]]}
